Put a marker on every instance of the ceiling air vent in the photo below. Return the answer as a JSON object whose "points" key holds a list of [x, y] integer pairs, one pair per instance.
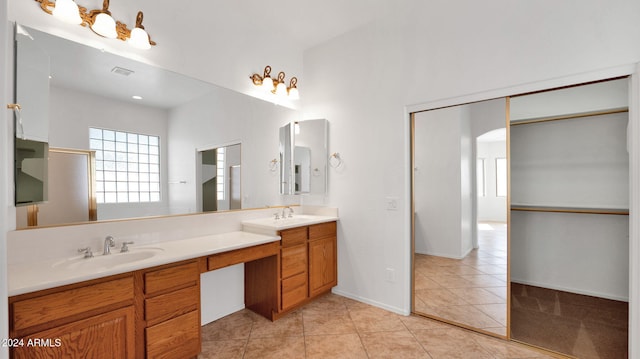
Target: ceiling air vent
{"points": [[121, 71]]}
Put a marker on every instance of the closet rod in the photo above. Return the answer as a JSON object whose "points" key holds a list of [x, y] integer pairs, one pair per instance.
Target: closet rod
{"points": [[622, 212], [569, 117]]}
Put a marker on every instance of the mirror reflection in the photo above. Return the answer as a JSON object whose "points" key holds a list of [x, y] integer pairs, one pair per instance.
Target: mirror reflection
{"points": [[220, 178], [135, 105], [460, 215], [304, 156]]}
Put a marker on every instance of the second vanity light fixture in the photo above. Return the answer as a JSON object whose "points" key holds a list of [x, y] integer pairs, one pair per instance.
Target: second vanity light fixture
{"points": [[100, 21], [277, 86]]}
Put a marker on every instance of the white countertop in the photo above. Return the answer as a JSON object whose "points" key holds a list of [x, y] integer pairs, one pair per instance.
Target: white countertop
{"points": [[32, 276], [271, 225]]}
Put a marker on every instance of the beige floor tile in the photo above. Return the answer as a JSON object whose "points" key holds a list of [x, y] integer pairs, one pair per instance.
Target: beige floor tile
{"points": [[318, 323], [234, 326], [223, 349], [275, 348], [467, 315], [497, 312], [393, 345], [375, 320], [415, 322], [453, 281], [439, 297], [479, 296], [347, 346], [287, 326], [451, 343], [484, 280]]}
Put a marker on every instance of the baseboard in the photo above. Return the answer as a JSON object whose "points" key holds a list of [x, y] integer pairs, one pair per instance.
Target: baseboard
{"points": [[371, 302]]}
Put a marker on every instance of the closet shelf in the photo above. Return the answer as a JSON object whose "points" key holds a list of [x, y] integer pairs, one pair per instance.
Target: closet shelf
{"points": [[568, 116], [557, 209]]}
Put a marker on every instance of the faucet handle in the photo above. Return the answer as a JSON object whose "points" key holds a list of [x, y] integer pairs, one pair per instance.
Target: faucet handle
{"points": [[125, 247], [87, 252], [277, 215]]}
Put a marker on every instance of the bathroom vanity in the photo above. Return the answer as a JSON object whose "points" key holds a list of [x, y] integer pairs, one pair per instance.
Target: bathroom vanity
{"points": [[150, 307]]}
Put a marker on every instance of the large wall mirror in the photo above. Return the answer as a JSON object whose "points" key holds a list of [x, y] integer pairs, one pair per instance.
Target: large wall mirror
{"points": [[146, 126], [460, 215]]}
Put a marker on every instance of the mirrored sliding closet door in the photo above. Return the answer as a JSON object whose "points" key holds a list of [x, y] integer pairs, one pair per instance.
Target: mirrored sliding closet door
{"points": [[460, 207]]}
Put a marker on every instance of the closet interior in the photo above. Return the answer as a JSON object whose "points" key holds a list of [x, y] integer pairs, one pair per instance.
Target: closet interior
{"points": [[569, 226]]}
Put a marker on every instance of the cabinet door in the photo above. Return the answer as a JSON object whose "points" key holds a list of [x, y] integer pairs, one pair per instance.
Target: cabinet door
{"points": [[105, 336], [175, 338], [323, 273]]}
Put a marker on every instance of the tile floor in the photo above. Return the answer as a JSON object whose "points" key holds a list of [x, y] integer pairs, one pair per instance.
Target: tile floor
{"points": [[471, 291], [337, 327]]}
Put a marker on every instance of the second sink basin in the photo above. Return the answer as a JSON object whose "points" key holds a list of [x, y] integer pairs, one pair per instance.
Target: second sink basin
{"points": [[102, 262]]}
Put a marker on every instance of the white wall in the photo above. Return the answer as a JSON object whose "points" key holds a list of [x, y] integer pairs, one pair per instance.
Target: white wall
{"points": [[578, 253], [428, 51]]}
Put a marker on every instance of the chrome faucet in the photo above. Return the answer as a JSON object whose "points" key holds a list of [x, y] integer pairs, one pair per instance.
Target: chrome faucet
{"points": [[290, 212], [108, 243]]}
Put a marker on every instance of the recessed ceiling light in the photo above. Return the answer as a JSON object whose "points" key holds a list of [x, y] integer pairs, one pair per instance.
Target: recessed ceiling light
{"points": [[136, 97]]}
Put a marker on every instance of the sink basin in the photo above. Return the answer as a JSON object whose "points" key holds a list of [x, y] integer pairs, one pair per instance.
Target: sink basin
{"points": [[102, 262]]}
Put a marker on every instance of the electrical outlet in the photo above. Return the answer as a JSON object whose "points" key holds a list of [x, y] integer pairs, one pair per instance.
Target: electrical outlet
{"points": [[392, 203], [390, 275]]}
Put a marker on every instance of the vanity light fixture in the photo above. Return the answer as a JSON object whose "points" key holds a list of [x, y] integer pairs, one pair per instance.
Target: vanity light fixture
{"points": [[99, 21], [277, 86]]}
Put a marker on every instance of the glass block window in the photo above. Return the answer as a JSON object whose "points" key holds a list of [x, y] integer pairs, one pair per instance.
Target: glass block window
{"points": [[127, 166], [220, 159]]}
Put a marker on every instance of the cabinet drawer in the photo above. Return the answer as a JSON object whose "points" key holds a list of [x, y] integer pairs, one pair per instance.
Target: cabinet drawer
{"points": [[293, 236], [242, 255], [294, 290], [322, 230], [294, 260], [171, 305], [175, 338], [180, 276], [71, 302]]}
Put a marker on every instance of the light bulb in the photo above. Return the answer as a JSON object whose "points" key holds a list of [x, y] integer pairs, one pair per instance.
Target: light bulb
{"points": [[139, 39], [67, 11], [293, 93], [281, 89], [104, 25], [267, 84]]}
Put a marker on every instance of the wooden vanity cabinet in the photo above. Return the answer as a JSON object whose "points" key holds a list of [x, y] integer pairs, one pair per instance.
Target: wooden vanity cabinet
{"points": [[323, 258], [172, 311], [308, 264], [94, 319]]}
